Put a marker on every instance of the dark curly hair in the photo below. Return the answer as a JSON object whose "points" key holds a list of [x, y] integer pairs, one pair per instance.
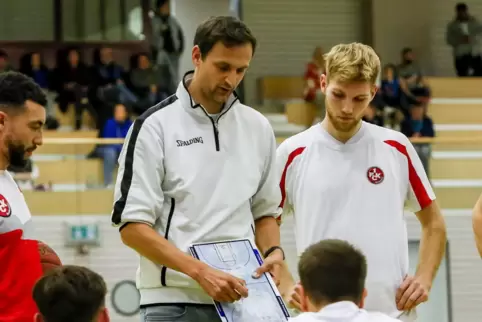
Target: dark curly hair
{"points": [[17, 88]]}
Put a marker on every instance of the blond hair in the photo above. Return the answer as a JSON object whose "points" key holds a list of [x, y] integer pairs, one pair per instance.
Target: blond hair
{"points": [[353, 62]]}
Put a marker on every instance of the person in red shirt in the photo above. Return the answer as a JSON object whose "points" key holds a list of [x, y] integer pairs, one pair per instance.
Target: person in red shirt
{"points": [[312, 93], [22, 116]]}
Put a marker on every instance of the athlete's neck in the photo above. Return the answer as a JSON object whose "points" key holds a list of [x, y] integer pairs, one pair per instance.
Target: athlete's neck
{"points": [[339, 135], [198, 96]]}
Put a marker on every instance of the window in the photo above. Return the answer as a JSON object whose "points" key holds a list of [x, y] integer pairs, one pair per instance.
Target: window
{"points": [[24, 20]]}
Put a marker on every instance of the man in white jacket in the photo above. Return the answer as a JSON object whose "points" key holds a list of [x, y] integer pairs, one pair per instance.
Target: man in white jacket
{"points": [[332, 284]]}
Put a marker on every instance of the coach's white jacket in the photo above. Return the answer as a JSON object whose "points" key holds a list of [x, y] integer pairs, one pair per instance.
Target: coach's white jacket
{"points": [[343, 312], [194, 178]]}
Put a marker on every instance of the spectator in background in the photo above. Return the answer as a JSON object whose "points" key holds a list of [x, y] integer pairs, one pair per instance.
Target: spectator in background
{"points": [[167, 40], [71, 82], [144, 80], [390, 86], [462, 35], [115, 128], [391, 92], [33, 67], [419, 125], [412, 81], [373, 115], [108, 80], [4, 62], [312, 93]]}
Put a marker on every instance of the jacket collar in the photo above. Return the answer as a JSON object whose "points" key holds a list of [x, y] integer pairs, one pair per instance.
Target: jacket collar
{"points": [[186, 99]]}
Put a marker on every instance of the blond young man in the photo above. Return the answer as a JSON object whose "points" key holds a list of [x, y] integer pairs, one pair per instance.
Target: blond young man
{"points": [[349, 180]]}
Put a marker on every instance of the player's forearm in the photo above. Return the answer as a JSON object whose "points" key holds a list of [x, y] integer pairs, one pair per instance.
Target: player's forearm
{"points": [[477, 224], [432, 249], [149, 244], [267, 233]]}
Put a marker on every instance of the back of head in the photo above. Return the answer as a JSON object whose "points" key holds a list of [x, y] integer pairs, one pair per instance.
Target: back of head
{"points": [[228, 30], [355, 62], [332, 271], [70, 294]]}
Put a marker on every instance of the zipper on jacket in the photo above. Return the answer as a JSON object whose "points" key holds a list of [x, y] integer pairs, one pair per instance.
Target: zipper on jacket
{"points": [[215, 123]]}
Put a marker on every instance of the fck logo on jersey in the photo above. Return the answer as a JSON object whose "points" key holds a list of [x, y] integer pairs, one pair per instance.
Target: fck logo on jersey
{"points": [[375, 175], [5, 209]]}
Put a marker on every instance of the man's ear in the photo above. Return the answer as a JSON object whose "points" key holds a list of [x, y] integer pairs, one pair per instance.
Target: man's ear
{"points": [[3, 117], [196, 56], [323, 83], [362, 301], [38, 318], [104, 315], [304, 300], [374, 91]]}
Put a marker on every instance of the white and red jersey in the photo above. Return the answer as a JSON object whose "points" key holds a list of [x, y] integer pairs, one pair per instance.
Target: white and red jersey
{"points": [[356, 191], [19, 256]]}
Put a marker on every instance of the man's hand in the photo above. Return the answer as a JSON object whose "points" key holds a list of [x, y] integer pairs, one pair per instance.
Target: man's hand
{"points": [[271, 264], [221, 286], [411, 293], [294, 297]]}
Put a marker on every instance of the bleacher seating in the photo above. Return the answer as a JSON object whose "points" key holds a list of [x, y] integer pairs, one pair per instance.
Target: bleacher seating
{"points": [[66, 149], [88, 202], [68, 119], [451, 87], [285, 88], [456, 113], [70, 171]]}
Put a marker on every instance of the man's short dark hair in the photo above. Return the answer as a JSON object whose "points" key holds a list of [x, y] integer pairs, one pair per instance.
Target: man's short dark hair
{"points": [[70, 294], [17, 88], [230, 31], [3, 54], [331, 271]]}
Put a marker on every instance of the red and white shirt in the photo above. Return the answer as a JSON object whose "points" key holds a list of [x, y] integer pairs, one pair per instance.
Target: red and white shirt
{"points": [[19, 256], [356, 191]]}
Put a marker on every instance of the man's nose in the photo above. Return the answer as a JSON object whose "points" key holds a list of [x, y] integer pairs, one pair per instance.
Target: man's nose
{"points": [[38, 140]]}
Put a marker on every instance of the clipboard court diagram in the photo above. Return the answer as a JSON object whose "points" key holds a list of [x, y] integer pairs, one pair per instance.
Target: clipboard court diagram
{"points": [[239, 259]]}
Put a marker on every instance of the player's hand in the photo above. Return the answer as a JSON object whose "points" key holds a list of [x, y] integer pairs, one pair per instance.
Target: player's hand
{"points": [[413, 291], [221, 286], [272, 264], [294, 297]]}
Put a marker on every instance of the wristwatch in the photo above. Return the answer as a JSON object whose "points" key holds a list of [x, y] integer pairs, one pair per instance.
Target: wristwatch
{"points": [[272, 249]]}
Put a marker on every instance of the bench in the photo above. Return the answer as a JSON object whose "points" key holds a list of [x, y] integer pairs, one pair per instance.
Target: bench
{"points": [[70, 171], [455, 113], [452, 87], [89, 202], [67, 149]]}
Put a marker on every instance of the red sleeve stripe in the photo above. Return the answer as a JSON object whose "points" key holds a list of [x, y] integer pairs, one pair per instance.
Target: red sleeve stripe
{"points": [[282, 184], [415, 181]]}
